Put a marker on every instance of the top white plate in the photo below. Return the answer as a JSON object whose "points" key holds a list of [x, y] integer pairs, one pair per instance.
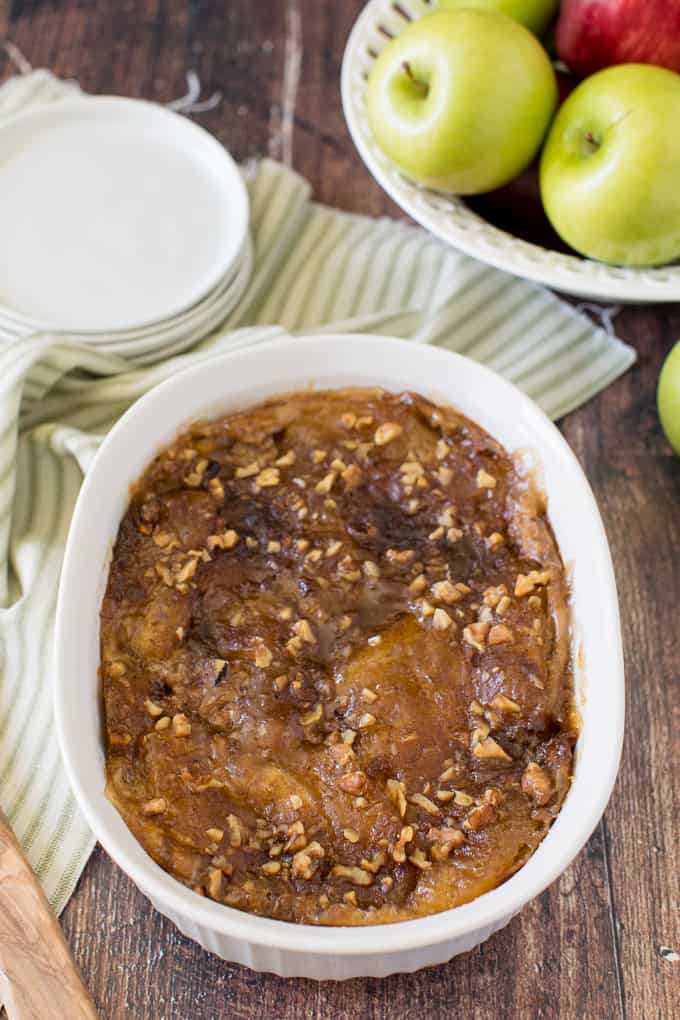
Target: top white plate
{"points": [[115, 213], [448, 216]]}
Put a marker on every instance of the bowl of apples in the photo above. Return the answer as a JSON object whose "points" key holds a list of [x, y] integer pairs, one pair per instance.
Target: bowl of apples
{"points": [[538, 137]]}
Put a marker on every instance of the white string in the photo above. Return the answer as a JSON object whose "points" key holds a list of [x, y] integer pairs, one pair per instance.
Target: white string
{"points": [[603, 316], [189, 103], [282, 118], [16, 56]]}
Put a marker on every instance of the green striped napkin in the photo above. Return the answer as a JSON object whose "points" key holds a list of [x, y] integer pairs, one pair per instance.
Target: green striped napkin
{"points": [[315, 270]]}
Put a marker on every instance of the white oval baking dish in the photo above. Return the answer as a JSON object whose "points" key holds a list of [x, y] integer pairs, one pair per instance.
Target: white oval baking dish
{"points": [[235, 381]]}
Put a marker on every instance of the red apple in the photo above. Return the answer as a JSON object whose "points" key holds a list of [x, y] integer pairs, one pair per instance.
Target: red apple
{"points": [[592, 34]]}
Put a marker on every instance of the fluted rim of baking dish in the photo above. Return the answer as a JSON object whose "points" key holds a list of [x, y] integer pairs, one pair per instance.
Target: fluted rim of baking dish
{"points": [[84, 575]]}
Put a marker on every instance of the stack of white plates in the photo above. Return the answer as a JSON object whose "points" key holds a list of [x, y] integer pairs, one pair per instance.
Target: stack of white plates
{"points": [[125, 226]]}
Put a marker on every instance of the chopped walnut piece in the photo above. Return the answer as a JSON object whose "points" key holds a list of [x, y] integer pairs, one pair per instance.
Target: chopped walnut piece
{"points": [[475, 635], [357, 876], [351, 476], [445, 475], [366, 720], [399, 849], [370, 568], [419, 860], [294, 646], [494, 594], [195, 477], [342, 752], [368, 695], [227, 540], [526, 583], [236, 831], [374, 864], [353, 782], [441, 620], [215, 835], [435, 535], [326, 484], [216, 489], [349, 419], [502, 704], [453, 535], [386, 432], [485, 813], [485, 480], [295, 801], [246, 472], [444, 591], [306, 861], [313, 716], [286, 613], [447, 517], [164, 540], [445, 840], [421, 801], [425, 607], [418, 585], [297, 839], [273, 546], [351, 898], [441, 449], [156, 806], [396, 791], [286, 460], [268, 477], [163, 723], [303, 629], [402, 556], [503, 605], [333, 548], [181, 725], [271, 867], [263, 657], [152, 708], [500, 635], [444, 795], [537, 784], [488, 748], [351, 835], [463, 799], [214, 883]]}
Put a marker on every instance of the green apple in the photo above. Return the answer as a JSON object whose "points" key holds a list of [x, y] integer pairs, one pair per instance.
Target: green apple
{"points": [[535, 15], [668, 397], [610, 169], [461, 100]]}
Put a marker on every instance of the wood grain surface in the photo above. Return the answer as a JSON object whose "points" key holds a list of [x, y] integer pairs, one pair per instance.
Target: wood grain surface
{"points": [[596, 945], [38, 977]]}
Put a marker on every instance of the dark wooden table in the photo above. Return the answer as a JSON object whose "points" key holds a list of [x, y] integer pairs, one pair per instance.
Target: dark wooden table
{"points": [[593, 946]]}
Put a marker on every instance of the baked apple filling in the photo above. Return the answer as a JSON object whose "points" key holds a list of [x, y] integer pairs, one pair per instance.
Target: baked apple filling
{"points": [[335, 658]]}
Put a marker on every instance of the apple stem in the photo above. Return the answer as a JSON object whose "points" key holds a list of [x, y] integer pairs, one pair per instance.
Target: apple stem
{"points": [[593, 143], [420, 85]]}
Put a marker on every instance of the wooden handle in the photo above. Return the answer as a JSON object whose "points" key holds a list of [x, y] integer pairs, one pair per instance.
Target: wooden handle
{"points": [[38, 976]]}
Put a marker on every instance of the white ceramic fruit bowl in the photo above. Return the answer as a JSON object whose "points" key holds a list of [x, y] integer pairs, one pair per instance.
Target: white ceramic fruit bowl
{"points": [[449, 217], [235, 381]]}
